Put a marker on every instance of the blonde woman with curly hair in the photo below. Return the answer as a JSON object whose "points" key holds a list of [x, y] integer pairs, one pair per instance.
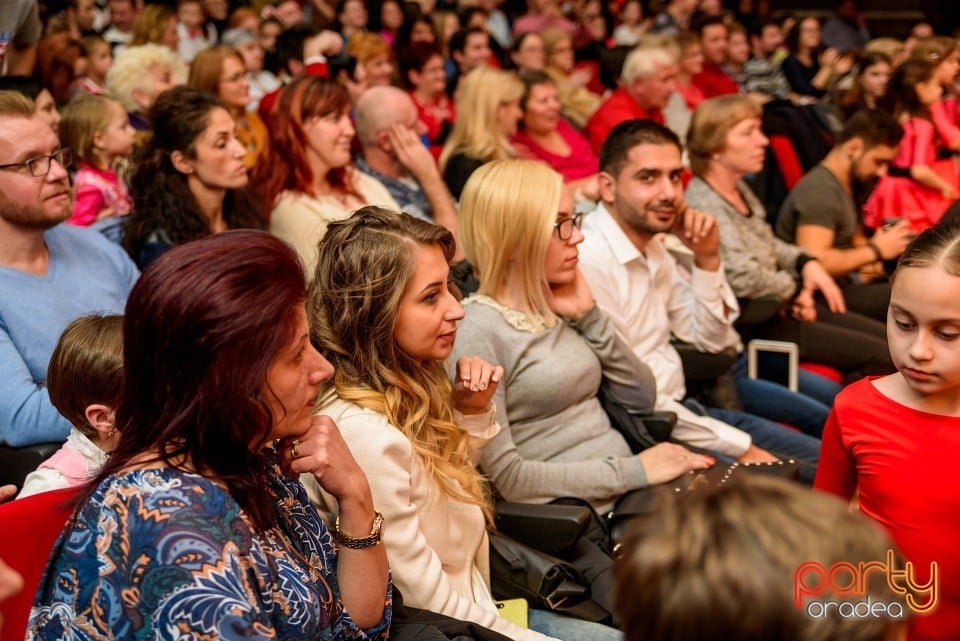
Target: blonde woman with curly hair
{"points": [[488, 110], [383, 311]]}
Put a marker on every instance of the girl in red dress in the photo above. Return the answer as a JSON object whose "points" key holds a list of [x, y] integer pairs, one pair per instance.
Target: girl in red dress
{"points": [[916, 187], [895, 438]]}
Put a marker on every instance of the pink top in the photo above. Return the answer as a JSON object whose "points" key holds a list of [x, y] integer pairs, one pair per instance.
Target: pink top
{"points": [[98, 189], [581, 162]]}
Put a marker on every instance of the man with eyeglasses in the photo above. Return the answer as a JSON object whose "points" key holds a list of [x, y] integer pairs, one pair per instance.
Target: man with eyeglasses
{"points": [[639, 285], [50, 273]]}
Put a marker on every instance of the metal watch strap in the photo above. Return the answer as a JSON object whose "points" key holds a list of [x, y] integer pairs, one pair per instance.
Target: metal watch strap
{"points": [[359, 543]]}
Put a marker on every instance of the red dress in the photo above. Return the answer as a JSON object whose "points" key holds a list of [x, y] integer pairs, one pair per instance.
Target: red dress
{"points": [[899, 196], [904, 462], [581, 162]]}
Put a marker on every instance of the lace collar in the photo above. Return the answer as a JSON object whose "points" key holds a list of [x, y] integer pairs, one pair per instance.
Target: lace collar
{"points": [[521, 321]]}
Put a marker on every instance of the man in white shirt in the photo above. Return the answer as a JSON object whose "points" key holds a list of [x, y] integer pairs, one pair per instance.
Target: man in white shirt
{"points": [[637, 283]]}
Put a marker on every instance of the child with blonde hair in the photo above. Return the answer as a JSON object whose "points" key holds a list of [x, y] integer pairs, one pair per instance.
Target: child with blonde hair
{"points": [[99, 132], [85, 379], [99, 60]]}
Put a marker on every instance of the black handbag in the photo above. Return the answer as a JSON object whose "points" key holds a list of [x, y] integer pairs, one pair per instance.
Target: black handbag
{"points": [[546, 582]]}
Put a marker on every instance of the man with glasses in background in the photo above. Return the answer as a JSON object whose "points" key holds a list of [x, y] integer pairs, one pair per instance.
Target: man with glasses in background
{"points": [[50, 273]]}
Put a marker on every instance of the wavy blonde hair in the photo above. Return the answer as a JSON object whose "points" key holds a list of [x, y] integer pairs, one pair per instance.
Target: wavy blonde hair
{"points": [[507, 212], [477, 132], [365, 264]]}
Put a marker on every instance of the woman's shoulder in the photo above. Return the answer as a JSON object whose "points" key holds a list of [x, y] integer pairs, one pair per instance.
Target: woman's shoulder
{"points": [[357, 422]]}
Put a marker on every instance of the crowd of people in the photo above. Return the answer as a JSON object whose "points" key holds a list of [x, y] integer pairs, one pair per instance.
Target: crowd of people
{"points": [[305, 288]]}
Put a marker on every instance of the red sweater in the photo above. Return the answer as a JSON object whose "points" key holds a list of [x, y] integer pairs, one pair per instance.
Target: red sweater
{"points": [[713, 82], [904, 463], [619, 107]]}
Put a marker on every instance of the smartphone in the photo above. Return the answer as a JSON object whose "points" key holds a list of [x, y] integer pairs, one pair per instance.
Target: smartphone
{"points": [[516, 611]]}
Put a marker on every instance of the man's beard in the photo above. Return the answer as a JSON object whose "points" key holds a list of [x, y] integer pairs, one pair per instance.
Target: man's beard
{"points": [[32, 217]]}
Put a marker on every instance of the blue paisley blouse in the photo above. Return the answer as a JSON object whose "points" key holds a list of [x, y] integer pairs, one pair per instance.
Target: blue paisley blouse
{"points": [[164, 554]]}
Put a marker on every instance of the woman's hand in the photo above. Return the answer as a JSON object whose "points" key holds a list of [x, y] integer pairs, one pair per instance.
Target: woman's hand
{"points": [[666, 461], [475, 385], [321, 451], [804, 309], [815, 277], [571, 300], [755, 454]]}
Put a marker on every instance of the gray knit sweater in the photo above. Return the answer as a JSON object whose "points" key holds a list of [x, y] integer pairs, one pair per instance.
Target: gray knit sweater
{"points": [[555, 438], [756, 262]]}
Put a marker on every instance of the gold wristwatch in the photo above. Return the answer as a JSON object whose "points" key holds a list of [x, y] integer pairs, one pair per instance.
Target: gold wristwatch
{"points": [[360, 543]]}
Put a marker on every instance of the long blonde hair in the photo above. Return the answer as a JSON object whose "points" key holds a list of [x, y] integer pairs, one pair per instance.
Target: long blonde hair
{"points": [[477, 132], [507, 212], [365, 265]]}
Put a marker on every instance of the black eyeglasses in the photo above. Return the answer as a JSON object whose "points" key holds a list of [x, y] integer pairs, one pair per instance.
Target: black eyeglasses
{"points": [[565, 227], [40, 166]]}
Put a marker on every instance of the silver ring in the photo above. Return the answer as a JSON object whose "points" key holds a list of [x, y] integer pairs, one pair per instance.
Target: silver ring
{"points": [[295, 448]]}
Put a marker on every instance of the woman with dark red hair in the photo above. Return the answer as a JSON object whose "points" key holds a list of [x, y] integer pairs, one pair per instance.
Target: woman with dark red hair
{"points": [[197, 526], [307, 179]]}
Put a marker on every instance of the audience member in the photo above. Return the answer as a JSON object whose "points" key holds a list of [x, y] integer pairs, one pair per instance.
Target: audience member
{"points": [[542, 15], [528, 53], [820, 214], [216, 417], [351, 18], [738, 52], [51, 274], [846, 31], [44, 106], [675, 17], [546, 135], [99, 60], [417, 436], [918, 188], [375, 55], [189, 178], [488, 111], [393, 153], [138, 76], [647, 81], [156, 24], [98, 132], [632, 24], [887, 436], [725, 145], [810, 68], [20, 31], [261, 81], [307, 178], [222, 72], [119, 32], [869, 86], [762, 72], [85, 378], [85, 15], [469, 50], [649, 301], [578, 101], [535, 316], [713, 80], [195, 33], [424, 74], [686, 95], [723, 565]]}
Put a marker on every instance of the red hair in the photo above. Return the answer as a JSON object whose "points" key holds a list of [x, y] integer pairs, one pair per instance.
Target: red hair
{"points": [[284, 166]]}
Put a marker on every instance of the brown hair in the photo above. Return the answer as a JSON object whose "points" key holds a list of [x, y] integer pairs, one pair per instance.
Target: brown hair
{"points": [[710, 124], [938, 245], [207, 65], [87, 368], [14, 104], [729, 556], [150, 25], [83, 117]]}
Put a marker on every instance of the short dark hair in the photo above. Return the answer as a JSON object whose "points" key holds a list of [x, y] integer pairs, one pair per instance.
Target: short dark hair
{"points": [[704, 21], [458, 41], [872, 126], [629, 134], [289, 45]]}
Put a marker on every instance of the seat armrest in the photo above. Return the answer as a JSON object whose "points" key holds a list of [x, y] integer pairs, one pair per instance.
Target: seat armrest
{"points": [[17, 462], [659, 424], [552, 529]]}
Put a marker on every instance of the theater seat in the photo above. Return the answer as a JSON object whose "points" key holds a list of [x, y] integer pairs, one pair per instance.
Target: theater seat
{"points": [[28, 529], [17, 462]]}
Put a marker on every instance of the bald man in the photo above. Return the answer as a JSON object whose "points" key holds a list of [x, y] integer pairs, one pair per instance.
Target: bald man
{"points": [[392, 151]]}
